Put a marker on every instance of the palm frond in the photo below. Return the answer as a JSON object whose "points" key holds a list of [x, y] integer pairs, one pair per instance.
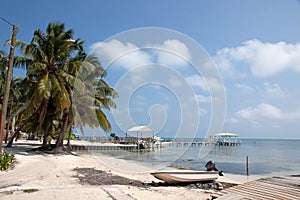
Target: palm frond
{"points": [[103, 121]]}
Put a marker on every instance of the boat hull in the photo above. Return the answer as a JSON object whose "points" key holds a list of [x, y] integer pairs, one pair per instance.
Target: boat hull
{"points": [[176, 177]]}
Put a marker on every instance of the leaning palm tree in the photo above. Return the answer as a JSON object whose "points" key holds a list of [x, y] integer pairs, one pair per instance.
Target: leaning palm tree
{"points": [[14, 92], [55, 61], [14, 100], [90, 95]]}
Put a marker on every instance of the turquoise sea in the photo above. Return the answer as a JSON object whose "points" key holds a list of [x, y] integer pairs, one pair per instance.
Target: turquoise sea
{"points": [[265, 157]]}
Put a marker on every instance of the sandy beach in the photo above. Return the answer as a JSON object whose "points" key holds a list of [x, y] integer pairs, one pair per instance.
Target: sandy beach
{"points": [[37, 175]]}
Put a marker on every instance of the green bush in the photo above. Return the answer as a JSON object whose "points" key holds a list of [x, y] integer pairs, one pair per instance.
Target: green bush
{"points": [[72, 137], [6, 160]]}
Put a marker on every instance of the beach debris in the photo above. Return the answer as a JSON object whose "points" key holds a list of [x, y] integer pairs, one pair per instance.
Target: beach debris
{"points": [[93, 176], [204, 186], [219, 186], [30, 190]]}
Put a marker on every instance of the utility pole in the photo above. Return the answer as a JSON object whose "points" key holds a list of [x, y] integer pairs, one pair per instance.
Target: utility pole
{"points": [[7, 84]]}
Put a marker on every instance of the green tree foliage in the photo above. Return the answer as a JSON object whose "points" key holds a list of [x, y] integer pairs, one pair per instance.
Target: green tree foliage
{"points": [[50, 104]]}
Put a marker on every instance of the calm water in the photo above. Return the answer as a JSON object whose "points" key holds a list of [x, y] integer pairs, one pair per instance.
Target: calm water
{"points": [[276, 157]]}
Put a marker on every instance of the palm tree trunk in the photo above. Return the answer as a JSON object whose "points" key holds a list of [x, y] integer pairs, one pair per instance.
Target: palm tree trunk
{"points": [[59, 146], [23, 107], [17, 131], [12, 117], [6, 133], [12, 138], [45, 138], [69, 141]]}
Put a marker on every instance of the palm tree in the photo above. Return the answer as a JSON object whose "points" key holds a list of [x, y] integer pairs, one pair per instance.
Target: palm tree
{"points": [[14, 92], [49, 74], [55, 60], [13, 102], [90, 95], [89, 99]]}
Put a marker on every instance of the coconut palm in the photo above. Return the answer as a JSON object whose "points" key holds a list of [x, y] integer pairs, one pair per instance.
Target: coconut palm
{"points": [[91, 94], [47, 74], [15, 98], [14, 93], [55, 61]]}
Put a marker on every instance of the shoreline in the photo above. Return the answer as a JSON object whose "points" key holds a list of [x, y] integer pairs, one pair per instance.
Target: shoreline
{"points": [[54, 176]]}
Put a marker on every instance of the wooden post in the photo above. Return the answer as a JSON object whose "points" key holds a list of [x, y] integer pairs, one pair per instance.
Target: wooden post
{"points": [[7, 84], [247, 167]]}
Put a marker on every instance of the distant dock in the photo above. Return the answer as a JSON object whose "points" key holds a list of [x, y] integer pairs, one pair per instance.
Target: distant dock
{"points": [[216, 140], [220, 139], [103, 147], [228, 143], [82, 145], [218, 143]]}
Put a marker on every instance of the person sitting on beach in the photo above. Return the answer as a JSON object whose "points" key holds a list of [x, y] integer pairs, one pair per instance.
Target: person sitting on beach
{"points": [[211, 166]]}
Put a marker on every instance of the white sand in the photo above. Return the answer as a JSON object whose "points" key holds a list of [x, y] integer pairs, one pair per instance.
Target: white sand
{"points": [[53, 175]]}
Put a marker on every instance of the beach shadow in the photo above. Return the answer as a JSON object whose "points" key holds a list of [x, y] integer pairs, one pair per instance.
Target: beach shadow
{"points": [[29, 149]]}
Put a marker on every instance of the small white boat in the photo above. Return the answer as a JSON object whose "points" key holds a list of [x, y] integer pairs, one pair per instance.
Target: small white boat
{"points": [[185, 176]]}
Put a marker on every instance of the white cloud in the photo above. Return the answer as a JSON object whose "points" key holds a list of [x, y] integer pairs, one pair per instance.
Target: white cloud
{"points": [[265, 114], [214, 84], [206, 84], [263, 59], [174, 53], [127, 55], [174, 82], [245, 89], [171, 52], [202, 99], [262, 111], [274, 90], [197, 81], [232, 120]]}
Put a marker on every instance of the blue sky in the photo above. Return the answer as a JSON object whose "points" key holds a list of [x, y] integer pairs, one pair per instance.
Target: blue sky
{"points": [[255, 46]]}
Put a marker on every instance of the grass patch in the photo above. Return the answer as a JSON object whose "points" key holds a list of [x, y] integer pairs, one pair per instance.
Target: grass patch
{"points": [[30, 190], [6, 160]]}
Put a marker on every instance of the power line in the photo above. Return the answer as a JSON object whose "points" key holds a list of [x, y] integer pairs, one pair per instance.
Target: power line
{"points": [[6, 21]]}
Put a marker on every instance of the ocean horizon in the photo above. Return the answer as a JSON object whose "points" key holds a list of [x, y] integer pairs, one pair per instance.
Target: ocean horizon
{"points": [[265, 156]]}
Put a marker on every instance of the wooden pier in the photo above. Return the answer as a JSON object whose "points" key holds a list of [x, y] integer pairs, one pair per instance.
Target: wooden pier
{"points": [[182, 143], [218, 143], [273, 188], [220, 139], [103, 147], [228, 143]]}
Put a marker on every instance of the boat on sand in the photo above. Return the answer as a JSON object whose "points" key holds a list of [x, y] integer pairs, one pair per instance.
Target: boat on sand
{"points": [[186, 176]]}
